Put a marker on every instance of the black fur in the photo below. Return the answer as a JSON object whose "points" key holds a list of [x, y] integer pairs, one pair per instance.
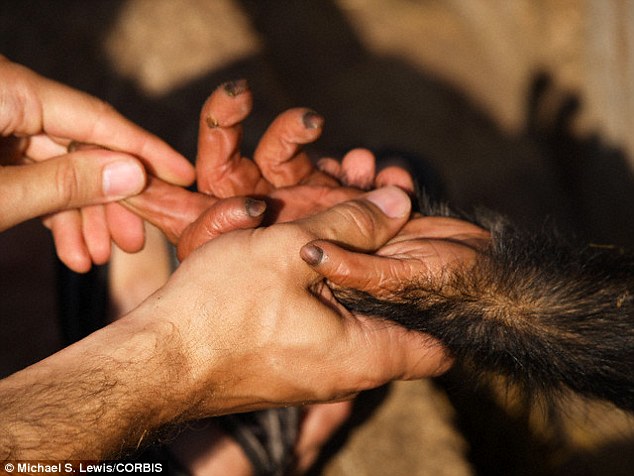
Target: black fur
{"points": [[542, 311]]}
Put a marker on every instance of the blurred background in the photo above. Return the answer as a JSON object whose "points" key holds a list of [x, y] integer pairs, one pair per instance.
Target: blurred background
{"points": [[522, 106]]}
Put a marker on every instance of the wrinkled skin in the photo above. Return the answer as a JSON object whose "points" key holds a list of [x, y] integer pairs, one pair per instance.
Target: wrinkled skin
{"points": [[281, 173], [428, 247]]}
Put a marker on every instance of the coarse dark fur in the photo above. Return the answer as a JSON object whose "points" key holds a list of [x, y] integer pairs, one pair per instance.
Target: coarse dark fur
{"points": [[540, 310]]}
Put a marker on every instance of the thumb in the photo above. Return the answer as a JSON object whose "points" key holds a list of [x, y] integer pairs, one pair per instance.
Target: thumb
{"points": [[365, 223], [81, 178], [235, 213]]}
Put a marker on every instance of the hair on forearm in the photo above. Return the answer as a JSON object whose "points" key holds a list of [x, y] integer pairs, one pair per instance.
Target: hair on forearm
{"points": [[545, 312], [85, 413]]}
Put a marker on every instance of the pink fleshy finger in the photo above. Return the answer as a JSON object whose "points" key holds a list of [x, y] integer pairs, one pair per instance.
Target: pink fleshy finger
{"points": [[226, 215], [96, 233], [42, 147], [126, 228], [331, 167], [220, 168], [279, 154], [69, 240], [396, 176], [359, 168]]}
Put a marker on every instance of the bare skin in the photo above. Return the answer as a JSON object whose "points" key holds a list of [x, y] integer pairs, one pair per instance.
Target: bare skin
{"points": [[551, 314], [283, 175], [280, 173], [224, 350], [426, 246], [200, 346], [39, 120]]}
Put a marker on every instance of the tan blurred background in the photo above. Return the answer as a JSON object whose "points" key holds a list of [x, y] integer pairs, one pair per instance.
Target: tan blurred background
{"points": [[523, 106]]}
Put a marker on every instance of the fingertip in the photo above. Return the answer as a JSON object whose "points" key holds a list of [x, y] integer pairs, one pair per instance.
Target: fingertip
{"points": [[77, 260], [312, 254], [69, 242], [126, 229], [174, 168], [391, 200], [395, 176], [255, 208], [123, 178], [227, 105], [359, 168], [226, 215], [312, 120], [330, 167]]}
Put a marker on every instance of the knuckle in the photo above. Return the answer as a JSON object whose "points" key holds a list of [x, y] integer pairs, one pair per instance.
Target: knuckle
{"points": [[360, 216], [67, 183], [295, 233]]}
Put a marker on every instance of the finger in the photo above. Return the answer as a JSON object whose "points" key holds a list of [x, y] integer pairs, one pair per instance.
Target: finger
{"points": [[365, 223], [43, 147], [319, 425], [359, 167], [331, 167], [225, 215], [375, 275], [66, 112], [220, 168], [75, 180], [126, 228], [442, 228], [96, 233], [395, 176], [69, 240], [168, 207], [89, 120], [279, 154]]}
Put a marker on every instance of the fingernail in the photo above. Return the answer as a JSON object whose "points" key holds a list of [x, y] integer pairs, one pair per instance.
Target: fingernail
{"points": [[312, 254], [211, 122], [391, 200], [255, 208], [312, 120], [236, 87], [122, 179]]}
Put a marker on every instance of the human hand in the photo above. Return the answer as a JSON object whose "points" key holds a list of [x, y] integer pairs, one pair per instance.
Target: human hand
{"points": [[250, 344], [42, 173], [281, 173]]}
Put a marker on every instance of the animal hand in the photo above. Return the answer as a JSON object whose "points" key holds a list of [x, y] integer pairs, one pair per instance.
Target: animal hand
{"points": [[424, 251], [281, 174]]}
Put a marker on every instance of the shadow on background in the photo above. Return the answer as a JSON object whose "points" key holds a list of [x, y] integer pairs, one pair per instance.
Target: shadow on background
{"points": [[313, 57]]}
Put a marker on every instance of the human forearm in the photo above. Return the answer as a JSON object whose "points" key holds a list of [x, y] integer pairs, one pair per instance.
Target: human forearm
{"points": [[95, 398]]}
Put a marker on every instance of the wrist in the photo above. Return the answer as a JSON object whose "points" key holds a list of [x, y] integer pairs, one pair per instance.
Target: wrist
{"points": [[158, 363]]}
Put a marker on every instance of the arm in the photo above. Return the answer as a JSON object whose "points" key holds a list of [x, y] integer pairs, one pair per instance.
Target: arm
{"points": [[203, 346], [97, 397]]}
